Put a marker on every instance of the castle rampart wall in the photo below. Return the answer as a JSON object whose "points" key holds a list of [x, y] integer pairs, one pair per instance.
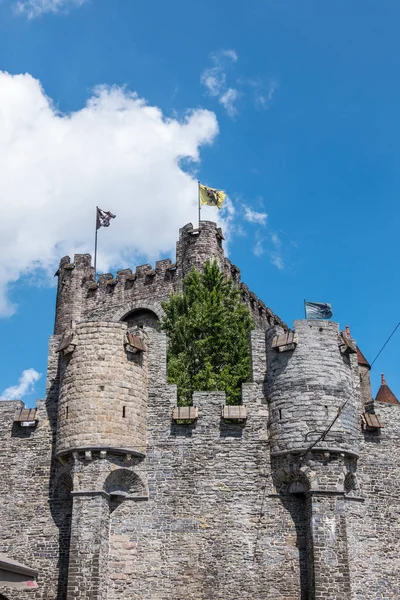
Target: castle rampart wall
{"points": [[210, 528], [373, 511], [140, 505], [208, 512], [80, 299], [31, 519]]}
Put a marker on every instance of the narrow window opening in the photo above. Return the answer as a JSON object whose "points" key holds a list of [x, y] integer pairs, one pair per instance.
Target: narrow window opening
{"points": [[66, 412], [280, 414], [123, 412], [326, 411]]}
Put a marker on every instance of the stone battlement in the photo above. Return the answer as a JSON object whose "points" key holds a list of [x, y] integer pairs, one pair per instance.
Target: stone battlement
{"points": [[111, 491], [81, 298]]}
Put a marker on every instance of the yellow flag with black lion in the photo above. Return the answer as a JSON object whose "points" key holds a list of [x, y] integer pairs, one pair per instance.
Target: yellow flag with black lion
{"points": [[211, 197]]}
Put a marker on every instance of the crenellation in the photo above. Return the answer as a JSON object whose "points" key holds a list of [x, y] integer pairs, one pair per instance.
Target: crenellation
{"points": [[110, 496], [104, 278], [124, 274]]}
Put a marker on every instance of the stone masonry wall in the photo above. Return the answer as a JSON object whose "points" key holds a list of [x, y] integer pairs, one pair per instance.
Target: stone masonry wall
{"points": [[373, 515], [35, 506], [209, 528], [103, 391], [80, 299], [306, 388], [208, 513], [31, 522], [207, 510]]}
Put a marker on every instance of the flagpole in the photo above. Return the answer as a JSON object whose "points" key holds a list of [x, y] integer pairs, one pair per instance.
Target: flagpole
{"points": [[198, 197], [95, 246], [305, 309]]}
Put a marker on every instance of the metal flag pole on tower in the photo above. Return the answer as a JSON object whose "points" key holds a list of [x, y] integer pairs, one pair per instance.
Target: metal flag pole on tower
{"points": [[95, 244], [198, 198]]}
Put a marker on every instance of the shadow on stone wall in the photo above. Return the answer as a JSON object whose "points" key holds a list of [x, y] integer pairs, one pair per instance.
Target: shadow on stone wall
{"points": [[231, 429], [298, 505], [60, 488], [182, 429], [61, 510], [293, 488]]}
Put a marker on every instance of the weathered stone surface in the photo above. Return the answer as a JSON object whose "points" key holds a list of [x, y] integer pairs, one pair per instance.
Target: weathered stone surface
{"points": [[114, 499], [103, 392]]}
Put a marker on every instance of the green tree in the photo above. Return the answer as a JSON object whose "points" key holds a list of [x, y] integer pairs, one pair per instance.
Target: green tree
{"points": [[208, 328]]}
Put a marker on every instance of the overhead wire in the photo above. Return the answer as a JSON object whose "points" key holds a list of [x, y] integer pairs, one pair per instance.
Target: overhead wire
{"points": [[340, 409]]}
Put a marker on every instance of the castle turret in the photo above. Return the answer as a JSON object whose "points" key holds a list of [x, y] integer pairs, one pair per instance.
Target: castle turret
{"points": [[385, 394], [313, 407], [308, 387], [73, 279], [101, 437], [196, 246], [103, 392]]}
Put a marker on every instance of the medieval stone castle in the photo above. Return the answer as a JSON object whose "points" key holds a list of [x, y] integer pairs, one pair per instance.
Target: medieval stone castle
{"points": [[110, 492]]}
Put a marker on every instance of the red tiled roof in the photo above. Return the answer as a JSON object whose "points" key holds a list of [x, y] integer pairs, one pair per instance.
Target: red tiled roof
{"points": [[385, 394], [361, 359]]}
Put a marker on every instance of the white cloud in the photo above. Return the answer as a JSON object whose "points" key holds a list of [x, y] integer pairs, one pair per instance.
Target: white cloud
{"points": [[263, 93], [26, 385], [215, 80], [277, 261], [231, 54], [34, 8], [228, 100], [258, 248], [118, 153], [253, 216], [276, 240], [274, 253], [276, 256]]}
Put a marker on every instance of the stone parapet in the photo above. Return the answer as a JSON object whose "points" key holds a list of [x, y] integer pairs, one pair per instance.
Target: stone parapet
{"points": [[81, 298]]}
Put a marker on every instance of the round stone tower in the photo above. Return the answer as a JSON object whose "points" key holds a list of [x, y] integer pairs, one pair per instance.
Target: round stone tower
{"points": [[103, 391], [101, 438], [196, 246], [313, 429], [71, 290], [308, 386]]}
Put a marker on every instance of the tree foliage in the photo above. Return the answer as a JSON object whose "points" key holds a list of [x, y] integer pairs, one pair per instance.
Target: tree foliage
{"points": [[208, 328]]}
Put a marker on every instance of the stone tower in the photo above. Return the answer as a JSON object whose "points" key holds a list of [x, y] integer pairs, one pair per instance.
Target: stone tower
{"points": [[112, 492], [313, 397], [109, 361]]}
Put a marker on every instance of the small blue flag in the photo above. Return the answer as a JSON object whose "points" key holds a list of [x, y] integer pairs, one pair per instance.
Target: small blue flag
{"points": [[318, 310]]}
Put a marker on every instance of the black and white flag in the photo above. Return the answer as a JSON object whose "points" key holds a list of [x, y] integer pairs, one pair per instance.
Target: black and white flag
{"points": [[318, 310], [103, 218]]}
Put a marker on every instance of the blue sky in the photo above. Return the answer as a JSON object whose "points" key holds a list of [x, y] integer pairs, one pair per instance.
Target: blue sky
{"points": [[291, 106]]}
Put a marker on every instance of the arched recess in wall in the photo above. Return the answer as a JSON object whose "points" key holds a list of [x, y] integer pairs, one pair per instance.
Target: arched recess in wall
{"points": [[351, 485], [152, 306], [293, 487], [124, 482], [142, 318]]}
